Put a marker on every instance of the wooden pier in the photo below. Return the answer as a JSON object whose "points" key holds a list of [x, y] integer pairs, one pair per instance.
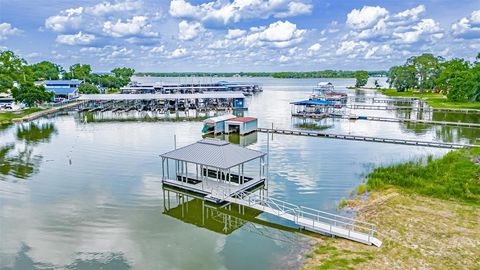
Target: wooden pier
{"points": [[414, 108], [383, 100], [366, 138], [417, 121], [46, 112]]}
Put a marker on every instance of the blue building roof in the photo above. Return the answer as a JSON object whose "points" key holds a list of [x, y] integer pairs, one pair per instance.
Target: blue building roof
{"points": [[62, 82], [313, 102], [62, 90]]}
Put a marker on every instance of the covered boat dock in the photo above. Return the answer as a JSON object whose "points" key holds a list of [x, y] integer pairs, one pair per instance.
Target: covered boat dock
{"points": [[212, 166], [314, 108], [163, 102]]}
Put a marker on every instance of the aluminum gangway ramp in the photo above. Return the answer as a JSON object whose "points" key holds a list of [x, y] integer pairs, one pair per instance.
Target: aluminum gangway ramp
{"points": [[308, 218]]}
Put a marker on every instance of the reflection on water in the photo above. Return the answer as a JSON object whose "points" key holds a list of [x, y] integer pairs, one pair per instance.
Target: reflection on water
{"points": [[19, 159], [20, 163], [111, 261], [242, 140], [33, 133]]}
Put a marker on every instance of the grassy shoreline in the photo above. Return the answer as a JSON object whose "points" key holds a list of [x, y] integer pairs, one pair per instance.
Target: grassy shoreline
{"points": [[435, 100], [7, 117], [427, 213]]}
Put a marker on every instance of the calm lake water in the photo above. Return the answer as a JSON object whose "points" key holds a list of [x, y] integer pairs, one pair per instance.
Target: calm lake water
{"points": [[79, 195]]}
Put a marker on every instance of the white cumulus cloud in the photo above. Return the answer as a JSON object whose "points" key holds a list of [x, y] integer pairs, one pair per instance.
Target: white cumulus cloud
{"points": [[468, 27], [226, 12], [365, 17], [7, 29], [235, 33], [68, 19], [179, 53], [189, 31], [137, 25], [108, 8], [76, 39]]}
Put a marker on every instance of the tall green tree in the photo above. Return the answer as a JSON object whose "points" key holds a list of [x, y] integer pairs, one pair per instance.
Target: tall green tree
{"points": [[6, 83], [78, 71], [427, 67], [29, 94], [13, 66], [361, 78], [87, 88], [402, 77], [45, 71]]}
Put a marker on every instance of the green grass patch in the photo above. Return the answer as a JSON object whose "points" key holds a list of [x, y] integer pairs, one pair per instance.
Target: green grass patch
{"points": [[456, 176], [435, 100], [6, 117], [342, 204], [334, 258], [362, 188]]}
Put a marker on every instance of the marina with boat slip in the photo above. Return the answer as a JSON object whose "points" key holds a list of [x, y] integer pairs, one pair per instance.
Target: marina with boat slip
{"points": [[271, 207]]}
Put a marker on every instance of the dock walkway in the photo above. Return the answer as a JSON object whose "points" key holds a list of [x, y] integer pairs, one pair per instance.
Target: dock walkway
{"points": [[366, 138], [426, 109], [418, 121], [310, 219], [39, 114]]}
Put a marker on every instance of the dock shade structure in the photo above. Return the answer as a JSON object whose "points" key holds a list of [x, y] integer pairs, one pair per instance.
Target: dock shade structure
{"points": [[216, 125], [312, 107], [241, 125], [213, 168]]}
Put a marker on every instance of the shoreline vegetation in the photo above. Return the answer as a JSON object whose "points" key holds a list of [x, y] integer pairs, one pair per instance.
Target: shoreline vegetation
{"points": [[8, 117], [435, 100], [427, 213], [285, 75]]}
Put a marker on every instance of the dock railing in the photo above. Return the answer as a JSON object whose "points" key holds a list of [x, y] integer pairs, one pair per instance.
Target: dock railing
{"points": [[309, 218]]}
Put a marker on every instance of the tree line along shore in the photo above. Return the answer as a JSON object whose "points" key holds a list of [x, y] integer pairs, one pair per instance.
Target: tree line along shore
{"points": [[442, 83]]}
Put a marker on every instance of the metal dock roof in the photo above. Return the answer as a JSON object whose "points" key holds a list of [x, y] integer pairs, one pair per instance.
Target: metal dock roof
{"points": [[313, 102], [219, 118], [214, 153], [160, 96]]}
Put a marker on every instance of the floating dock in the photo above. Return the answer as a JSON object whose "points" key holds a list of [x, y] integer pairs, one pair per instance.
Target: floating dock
{"points": [[184, 88], [418, 121], [241, 125], [388, 119], [427, 109], [164, 102], [366, 138], [215, 170]]}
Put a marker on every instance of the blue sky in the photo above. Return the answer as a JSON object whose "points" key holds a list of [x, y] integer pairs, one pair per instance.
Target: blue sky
{"points": [[238, 35]]}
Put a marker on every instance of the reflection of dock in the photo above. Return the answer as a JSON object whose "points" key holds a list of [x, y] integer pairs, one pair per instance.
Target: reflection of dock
{"points": [[366, 139], [225, 219], [242, 140]]}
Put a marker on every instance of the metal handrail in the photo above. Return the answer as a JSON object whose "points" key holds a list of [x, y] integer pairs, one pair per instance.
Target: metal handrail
{"points": [[314, 215], [335, 215]]}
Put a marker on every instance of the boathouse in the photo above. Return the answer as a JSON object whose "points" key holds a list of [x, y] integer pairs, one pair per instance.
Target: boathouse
{"points": [[216, 125], [214, 169], [313, 108], [241, 125]]}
